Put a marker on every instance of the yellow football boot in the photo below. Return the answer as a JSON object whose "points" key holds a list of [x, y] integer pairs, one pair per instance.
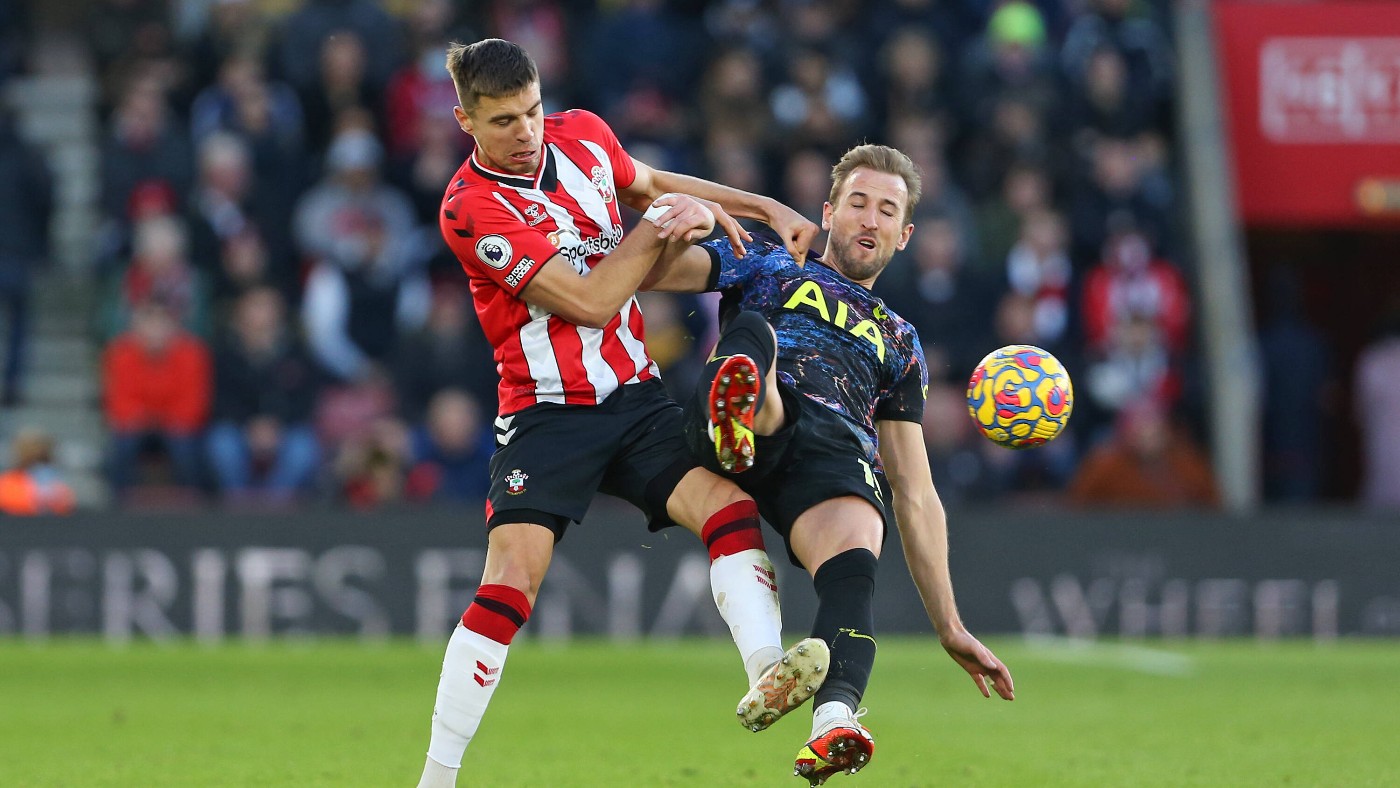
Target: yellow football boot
{"points": [[733, 402]]}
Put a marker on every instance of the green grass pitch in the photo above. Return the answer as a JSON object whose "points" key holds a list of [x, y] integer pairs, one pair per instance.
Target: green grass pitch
{"points": [[332, 713]]}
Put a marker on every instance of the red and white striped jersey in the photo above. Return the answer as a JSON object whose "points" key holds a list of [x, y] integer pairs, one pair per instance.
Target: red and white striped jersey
{"points": [[503, 228]]}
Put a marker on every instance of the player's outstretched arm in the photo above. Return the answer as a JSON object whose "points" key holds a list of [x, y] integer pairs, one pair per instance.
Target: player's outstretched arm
{"points": [[923, 528], [593, 301], [680, 268], [796, 231]]}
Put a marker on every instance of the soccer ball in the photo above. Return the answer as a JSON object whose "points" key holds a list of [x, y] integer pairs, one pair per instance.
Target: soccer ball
{"points": [[1020, 396]]}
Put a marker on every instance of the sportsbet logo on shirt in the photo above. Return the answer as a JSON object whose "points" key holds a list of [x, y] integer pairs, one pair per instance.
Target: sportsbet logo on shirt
{"points": [[578, 250]]}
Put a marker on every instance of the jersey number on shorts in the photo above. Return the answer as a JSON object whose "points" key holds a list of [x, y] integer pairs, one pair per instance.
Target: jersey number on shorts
{"points": [[870, 478]]}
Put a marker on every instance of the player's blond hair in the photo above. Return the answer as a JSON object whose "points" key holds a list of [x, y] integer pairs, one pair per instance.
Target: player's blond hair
{"points": [[880, 158], [491, 67]]}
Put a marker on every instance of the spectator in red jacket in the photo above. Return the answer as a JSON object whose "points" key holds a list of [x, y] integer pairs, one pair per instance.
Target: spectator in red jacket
{"points": [[1131, 282], [156, 381]]}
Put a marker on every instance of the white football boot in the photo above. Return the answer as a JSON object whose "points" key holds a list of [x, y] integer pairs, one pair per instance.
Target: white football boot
{"points": [[789, 683]]}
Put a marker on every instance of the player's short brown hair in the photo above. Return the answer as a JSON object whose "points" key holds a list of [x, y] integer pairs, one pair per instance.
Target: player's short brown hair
{"points": [[491, 67], [880, 158]]}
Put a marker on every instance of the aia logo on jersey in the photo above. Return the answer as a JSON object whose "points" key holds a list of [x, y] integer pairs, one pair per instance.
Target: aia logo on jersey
{"points": [[534, 213], [494, 250], [599, 179], [515, 481]]}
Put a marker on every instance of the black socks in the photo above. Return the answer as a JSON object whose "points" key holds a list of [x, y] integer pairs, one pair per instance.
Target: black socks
{"points": [[846, 621]]}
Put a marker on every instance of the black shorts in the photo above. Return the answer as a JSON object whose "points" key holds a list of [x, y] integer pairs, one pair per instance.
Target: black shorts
{"points": [[551, 459], [815, 457]]}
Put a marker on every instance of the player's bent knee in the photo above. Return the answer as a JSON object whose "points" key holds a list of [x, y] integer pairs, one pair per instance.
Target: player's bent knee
{"points": [[723, 493], [518, 555], [835, 526], [516, 577], [699, 495]]}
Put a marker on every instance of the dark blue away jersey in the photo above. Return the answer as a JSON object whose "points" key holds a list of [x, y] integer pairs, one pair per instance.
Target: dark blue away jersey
{"points": [[838, 344]]}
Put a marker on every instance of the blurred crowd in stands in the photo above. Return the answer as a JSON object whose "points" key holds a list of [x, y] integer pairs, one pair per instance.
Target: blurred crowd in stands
{"points": [[282, 321]]}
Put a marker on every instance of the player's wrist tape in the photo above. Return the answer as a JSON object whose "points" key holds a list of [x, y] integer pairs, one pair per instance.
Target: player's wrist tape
{"points": [[654, 211]]}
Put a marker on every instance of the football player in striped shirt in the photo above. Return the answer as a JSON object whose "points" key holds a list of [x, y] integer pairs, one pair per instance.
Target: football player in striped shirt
{"points": [[534, 217]]}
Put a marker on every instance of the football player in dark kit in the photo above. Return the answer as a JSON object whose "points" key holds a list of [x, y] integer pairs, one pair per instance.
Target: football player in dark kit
{"points": [[813, 403]]}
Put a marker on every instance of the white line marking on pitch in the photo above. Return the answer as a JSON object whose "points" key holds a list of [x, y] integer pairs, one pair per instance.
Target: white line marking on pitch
{"points": [[1124, 656]]}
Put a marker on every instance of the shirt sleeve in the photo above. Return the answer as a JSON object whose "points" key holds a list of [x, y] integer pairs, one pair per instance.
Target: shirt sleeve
{"points": [[905, 401], [730, 270], [492, 240]]}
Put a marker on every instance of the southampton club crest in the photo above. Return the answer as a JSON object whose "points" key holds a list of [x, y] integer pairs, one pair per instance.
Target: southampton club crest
{"points": [[515, 481], [599, 178]]}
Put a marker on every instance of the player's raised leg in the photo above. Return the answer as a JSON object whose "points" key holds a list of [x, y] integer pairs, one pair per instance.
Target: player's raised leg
{"points": [[741, 576], [741, 370], [746, 593], [517, 556]]}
